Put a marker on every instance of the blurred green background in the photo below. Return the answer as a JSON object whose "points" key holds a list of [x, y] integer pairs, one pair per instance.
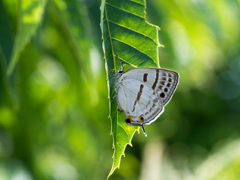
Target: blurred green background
{"points": [[54, 107]]}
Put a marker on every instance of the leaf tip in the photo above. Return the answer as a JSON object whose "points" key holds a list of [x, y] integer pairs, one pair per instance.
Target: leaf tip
{"points": [[112, 170]]}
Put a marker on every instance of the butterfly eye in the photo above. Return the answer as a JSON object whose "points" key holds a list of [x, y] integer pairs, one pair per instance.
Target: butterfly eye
{"points": [[120, 71], [141, 118], [129, 119]]}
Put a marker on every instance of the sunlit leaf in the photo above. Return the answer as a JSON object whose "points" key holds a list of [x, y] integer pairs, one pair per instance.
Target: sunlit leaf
{"points": [[30, 16], [76, 27], [127, 37]]}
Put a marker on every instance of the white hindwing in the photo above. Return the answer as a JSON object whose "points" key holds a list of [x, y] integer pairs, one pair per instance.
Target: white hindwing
{"points": [[142, 93]]}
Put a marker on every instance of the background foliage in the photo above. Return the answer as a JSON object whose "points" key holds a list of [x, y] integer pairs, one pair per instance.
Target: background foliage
{"points": [[54, 108]]}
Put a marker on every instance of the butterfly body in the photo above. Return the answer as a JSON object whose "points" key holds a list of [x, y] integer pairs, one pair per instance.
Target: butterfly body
{"points": [[142, 93]]}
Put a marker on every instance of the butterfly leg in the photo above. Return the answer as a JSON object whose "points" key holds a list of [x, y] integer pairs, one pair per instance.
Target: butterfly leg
{"points": [[114, 94], [119, 109], [113, 97], [112, 74]]}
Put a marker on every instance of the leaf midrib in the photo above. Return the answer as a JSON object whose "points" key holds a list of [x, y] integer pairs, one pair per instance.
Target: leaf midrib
{"points": [[110, 38]]}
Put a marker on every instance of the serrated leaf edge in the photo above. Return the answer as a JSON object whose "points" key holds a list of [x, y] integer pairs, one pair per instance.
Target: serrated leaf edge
{"points": [[123, 154]]}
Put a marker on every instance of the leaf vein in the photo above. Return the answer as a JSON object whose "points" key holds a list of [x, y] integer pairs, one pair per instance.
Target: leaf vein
{"points": [[137, 3], [133, 30], [124, 130], [124, 10], [131, 46], [109, 56]]}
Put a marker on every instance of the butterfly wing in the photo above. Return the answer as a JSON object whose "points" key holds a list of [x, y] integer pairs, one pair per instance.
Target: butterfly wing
{"points": [[162, 81], [144, 92], [136, 101]]}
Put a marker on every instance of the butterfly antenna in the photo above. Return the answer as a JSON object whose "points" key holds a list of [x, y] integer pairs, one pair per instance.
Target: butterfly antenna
{"points": [[120, 62], [122, 66], [143, 130]]}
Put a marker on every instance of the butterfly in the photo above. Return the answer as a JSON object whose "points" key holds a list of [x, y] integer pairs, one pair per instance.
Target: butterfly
{"points": [[142, 93]]}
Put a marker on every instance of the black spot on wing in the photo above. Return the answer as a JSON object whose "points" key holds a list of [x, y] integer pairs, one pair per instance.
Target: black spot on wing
{"points": [[162, 95], [162, 83], [145, 77]]}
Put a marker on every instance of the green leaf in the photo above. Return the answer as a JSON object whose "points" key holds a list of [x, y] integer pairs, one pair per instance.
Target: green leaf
{"points": [[128, 36], [76, 27], [6, 35], [30, 16]]}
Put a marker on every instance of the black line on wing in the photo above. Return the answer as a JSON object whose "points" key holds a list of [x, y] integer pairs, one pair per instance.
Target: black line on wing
{"points": [[138, 96], [156, 79], [145, 77]]}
